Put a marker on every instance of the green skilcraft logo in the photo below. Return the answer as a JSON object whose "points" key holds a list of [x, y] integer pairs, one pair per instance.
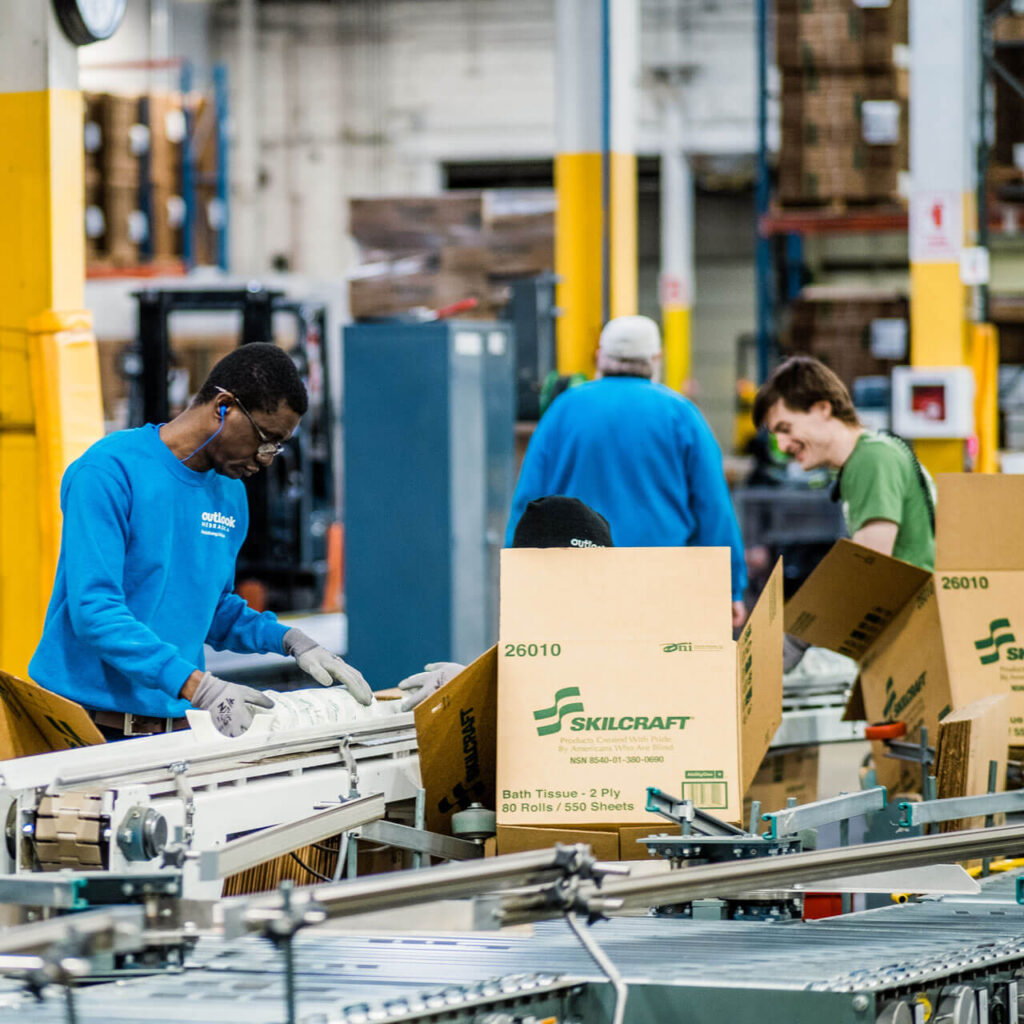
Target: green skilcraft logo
{"points": [[896, 703], [999, 633], [568, 702], [564, 705]]}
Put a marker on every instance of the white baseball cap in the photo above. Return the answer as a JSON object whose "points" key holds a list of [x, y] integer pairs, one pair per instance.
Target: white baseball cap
{"points": [[631, 337]]}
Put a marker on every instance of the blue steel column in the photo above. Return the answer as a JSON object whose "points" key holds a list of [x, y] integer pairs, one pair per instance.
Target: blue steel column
{"points": [[763, 246]]}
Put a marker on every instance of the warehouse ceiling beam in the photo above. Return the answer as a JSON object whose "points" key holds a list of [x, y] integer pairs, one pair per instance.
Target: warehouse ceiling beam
{"points": [[49, 373]]}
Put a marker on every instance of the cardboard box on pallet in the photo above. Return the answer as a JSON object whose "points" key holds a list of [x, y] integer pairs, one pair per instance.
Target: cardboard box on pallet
{"points": [[839, 34], [166, 131], [123, 138], [834, 324], [929, 643], [168, 215], [616, 672], [126, 224]]}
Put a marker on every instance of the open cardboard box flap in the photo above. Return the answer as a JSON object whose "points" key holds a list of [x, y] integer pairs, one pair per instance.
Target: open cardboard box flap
{"points": [[35, 721], [759, 665], [456, 729], [851, 596]]}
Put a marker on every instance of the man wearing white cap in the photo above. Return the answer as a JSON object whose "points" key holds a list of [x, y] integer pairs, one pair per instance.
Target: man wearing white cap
{"points": [[637, 452]]}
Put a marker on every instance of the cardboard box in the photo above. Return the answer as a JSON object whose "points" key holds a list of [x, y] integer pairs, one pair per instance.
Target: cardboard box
{"points": [[608, 843], [617, 671], [35, 721], [787, 773], [929, 644]]}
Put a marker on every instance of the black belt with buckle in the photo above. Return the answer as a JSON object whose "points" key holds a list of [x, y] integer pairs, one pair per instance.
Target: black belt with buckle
{"points": [[137, 725]]}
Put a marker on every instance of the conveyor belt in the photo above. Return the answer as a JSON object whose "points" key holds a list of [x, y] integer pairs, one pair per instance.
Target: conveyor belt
{"points": [[344, 977]]}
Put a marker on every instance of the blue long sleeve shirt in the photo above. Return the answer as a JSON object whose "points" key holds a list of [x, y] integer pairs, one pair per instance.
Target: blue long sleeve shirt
{"points": [[641, 455], [145, 577]]}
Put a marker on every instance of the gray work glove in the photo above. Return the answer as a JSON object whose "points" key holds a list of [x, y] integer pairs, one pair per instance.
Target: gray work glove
{"points": [[228, 703], [423, 684], [793, 651], [324, 667]]}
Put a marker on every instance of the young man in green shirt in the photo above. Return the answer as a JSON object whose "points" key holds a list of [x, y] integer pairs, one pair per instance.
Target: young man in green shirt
{"points": [[888, 497]]}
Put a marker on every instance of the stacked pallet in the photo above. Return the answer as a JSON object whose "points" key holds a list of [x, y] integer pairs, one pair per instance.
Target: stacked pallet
{"points": [[133, 207], [166, 121], [434, 251], [1006, 168], [835, 326], [845, 129]]}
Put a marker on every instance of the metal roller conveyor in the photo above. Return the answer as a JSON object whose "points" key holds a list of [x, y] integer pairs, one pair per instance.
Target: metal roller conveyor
{"points": [[867, 968]]}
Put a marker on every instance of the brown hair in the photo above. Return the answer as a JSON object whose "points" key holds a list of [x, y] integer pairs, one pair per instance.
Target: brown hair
{"points": [[800, 382]]}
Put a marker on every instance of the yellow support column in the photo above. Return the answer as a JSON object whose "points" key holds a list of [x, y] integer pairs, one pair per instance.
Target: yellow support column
{"points": [[590, 116], [49, 377], [985, 363], [676, 283]]}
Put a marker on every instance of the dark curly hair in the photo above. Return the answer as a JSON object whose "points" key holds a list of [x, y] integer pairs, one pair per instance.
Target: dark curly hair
{"points": [[259, 375]]}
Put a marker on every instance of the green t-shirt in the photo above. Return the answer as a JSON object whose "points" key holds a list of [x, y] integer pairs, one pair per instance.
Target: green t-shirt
{"points": [[879, 481]]}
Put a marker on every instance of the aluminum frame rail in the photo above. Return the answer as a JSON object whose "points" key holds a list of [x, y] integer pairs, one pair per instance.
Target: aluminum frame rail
{"points": [[115, 929], [397, 889], [794, 869], [241, 854]]}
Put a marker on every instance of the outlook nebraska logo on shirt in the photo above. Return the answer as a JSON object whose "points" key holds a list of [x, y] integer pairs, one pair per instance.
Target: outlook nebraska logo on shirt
{"points": [[216, 524]]}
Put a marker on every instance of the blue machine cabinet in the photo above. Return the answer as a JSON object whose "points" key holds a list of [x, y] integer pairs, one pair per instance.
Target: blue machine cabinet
{"points": [[429, 472]]}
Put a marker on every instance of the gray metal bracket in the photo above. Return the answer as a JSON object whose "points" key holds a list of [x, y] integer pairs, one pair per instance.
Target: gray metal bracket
{"points": [[690, 818], [250, 850], [823, 812], [404, 837], [952, 808]]}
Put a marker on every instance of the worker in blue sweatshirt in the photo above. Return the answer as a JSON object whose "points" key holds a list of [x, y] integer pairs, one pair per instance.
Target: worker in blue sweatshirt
{"points": [[154, 519], [638, 453]]}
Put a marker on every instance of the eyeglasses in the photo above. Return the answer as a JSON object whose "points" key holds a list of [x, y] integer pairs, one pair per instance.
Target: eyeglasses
{"points": [[268, 449]]}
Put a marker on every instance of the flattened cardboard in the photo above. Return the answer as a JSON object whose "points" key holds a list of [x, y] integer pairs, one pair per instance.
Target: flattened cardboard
{"points": [[456, 729], [974, 519], [617, 671], [35, 721], [969, 739]]}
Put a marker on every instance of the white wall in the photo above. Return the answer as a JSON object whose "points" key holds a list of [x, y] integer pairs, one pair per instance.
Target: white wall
{"points": [[371, 97], [151, 30]]}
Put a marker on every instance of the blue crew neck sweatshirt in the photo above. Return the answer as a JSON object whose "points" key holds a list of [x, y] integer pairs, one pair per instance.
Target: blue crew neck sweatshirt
{"points": [[145, 577], [644, 457]]}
